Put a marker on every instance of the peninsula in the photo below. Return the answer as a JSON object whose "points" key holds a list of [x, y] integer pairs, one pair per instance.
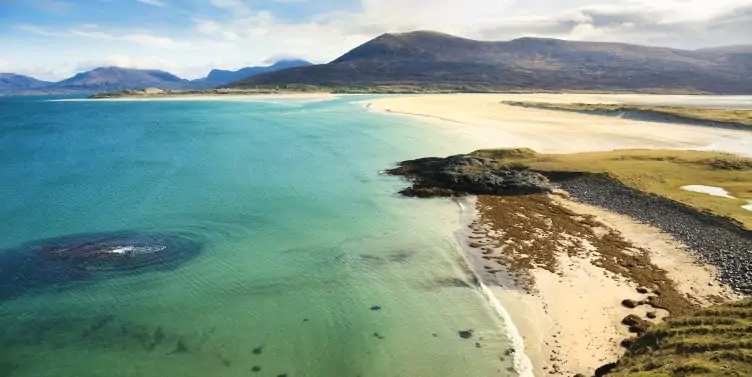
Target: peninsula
{"points": [[597, 243], [596, 240]]}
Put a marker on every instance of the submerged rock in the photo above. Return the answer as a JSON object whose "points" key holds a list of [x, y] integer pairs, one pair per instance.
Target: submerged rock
{"points": [[466, 334], [62, 261], [464, 174]]}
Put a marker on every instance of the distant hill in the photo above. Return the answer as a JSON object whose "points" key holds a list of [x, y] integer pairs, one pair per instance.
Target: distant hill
{"points": [[434, 59], [115, 78], [221, 77], [108, 79], [10, 82]]}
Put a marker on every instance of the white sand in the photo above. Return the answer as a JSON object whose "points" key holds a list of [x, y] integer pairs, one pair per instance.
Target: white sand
{"points": [[482, 121], [710, 190], [748, 207]]}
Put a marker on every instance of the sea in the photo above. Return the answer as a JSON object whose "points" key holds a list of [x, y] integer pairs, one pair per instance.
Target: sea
{"points": [[231, 238]]}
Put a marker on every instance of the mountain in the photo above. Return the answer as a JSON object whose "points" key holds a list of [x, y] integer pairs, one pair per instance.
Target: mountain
{"points": [[439, 60], [115, 78], [11, 82], [221, 77]]}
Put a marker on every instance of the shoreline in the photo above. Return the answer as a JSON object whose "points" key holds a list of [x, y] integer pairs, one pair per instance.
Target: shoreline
{"points": [[524, 364], [572, 320], [209, 97], [483, 120]]}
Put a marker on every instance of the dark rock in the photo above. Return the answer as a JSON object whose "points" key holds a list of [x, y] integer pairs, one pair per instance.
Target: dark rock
{"points": [[510, 351], [718, 241], [375, 308], [626, 343], [605, 369], [305, 319], [282, 375], [651, 315], [636, 324], [257, 350], [256, 369], [642, 290], [83, 258], [477, 345], [629, 304], [466, 334], [377, 336], [465, 174]]}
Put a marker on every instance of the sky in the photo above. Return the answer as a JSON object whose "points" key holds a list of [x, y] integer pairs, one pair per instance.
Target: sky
{"points": [[54, 39]]}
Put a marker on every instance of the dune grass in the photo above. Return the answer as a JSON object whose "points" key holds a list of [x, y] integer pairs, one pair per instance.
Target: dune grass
{"points": [[715, 341], [729, 116], [659, 172]]}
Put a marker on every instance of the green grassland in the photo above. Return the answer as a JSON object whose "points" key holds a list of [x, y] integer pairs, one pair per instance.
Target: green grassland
{"points": [[658, 172], [715, 341], [731, 116]]}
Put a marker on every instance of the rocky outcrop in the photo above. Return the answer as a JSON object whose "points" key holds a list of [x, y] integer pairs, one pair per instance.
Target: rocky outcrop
{"points": [[464, 174]]}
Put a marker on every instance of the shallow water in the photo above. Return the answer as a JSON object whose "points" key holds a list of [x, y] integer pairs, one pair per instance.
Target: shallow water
{"points": [[309, 263]]}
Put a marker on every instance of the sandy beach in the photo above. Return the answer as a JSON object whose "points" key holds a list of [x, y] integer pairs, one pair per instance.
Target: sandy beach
{"points": [[567, 303], [483, 119]]}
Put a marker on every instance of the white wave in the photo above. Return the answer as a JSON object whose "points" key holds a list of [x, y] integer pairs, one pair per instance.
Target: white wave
{"points": [[130, 249], [522, 364]]}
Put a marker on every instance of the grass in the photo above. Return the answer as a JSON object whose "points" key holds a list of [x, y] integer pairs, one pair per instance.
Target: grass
{"points": [[659, 172], [715, 341], [729, 116]]}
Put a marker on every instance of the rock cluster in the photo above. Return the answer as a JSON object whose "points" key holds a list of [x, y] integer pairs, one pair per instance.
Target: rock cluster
{"points": [[463, 174], [715, 240]]}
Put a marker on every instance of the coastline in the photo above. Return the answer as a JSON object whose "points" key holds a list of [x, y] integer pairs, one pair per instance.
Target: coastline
{"points": [[209, 97], [484, 120], [570, 320]]}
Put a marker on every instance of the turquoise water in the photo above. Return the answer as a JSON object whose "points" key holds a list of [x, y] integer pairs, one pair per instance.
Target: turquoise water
{"points": [[301, 240]]}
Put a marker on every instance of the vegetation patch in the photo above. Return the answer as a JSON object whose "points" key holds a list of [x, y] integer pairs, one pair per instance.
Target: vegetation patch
{"points": [[715, 341], [530, 231], [741, 117], [658, 172]]}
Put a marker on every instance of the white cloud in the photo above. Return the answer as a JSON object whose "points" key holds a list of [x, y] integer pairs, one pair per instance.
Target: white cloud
{"points": [[231, 34], [125, 61], [33, 29], [92, 31], [157, 3], [150, 40], [237, 7]]}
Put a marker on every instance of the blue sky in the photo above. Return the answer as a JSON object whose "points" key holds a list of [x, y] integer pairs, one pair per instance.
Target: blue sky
{"points": [[53, 39]]}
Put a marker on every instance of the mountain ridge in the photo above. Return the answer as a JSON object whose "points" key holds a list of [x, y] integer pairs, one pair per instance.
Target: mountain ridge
{"points": [[435, 59], [104, 79], [221, 76], [9, 81]]}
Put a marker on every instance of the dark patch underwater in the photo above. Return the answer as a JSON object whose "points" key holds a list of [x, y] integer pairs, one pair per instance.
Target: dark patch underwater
{"points": [[63, 262]]}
